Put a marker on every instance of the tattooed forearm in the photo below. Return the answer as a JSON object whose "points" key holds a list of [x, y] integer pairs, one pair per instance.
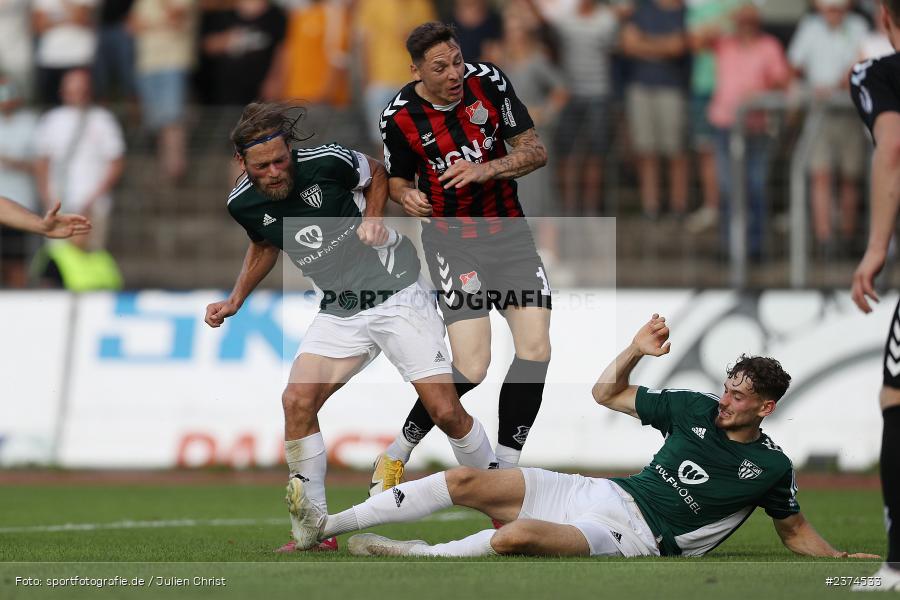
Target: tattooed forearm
{"points": [[527, 154]]}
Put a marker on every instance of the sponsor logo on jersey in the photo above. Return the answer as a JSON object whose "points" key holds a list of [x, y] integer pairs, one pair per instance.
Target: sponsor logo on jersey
{"points": [[312, 196], [478, 114], [748, 470], [310, 236], [472, 154], [470, 282], [700, 431], [691, 473], [399, 497], [521, 434], [507, 113], [268, 220], [682, 492]]}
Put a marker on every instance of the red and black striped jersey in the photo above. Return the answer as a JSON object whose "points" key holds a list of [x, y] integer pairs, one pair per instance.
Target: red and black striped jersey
{"points": [[423, 139]]}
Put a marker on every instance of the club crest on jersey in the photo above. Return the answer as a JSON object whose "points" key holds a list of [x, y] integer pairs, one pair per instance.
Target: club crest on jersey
{"points": [[478, 114], [748, 470], [312, 196], [470, 282]]}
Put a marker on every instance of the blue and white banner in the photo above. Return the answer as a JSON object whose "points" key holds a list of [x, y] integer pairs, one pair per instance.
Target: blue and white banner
{"points": [[139, 381]]}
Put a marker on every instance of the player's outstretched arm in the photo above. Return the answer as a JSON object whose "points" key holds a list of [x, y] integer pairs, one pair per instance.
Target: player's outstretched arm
{"points": [[52, 225], [258, 262], [528, 153], [885, 202], [612, 389], [799, 536]]}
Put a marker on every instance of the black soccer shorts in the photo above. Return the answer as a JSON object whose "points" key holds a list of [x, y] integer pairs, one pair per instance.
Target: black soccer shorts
{"points": [[891, 376], [472, 276]]}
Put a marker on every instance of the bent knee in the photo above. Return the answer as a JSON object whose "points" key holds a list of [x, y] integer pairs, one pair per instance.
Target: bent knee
{"points": [[474, 368], [298, 405], [460, 480], [514, 538], [536, 351]]}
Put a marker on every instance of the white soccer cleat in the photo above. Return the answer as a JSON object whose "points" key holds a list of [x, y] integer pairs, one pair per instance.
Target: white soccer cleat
{"points": [[387, 473], [885, 579], [369, 544], [307, 519]]}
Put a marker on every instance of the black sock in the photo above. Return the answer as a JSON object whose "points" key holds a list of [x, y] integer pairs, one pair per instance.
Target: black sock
{"points": [[418, 422], [890, 480], [520, 401]]}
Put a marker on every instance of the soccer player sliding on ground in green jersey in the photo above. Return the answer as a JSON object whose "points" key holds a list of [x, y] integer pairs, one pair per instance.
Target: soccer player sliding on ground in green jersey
{"points": [[714, 468]]}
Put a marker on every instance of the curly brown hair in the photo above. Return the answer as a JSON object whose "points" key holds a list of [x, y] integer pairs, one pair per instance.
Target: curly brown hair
{"points": [[766, 375]]}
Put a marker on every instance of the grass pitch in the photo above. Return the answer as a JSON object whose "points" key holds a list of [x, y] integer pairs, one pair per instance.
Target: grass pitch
{"points": [[175, 541]]}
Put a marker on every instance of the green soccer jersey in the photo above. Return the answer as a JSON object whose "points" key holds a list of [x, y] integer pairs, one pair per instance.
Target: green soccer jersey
{"points": [[701, 486], [316, 227]]}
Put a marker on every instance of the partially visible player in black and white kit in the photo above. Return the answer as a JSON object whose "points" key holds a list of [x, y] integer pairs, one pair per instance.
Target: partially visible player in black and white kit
{"points": [[445, 146], [875, 88]]}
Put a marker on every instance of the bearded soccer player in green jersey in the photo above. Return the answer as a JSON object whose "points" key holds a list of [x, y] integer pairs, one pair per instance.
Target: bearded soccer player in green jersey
{"points": [[715, 467], [322, 207]]}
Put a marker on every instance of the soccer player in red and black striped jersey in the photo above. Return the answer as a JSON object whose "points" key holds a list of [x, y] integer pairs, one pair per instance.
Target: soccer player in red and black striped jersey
{"points": [[445, 146], [876, 94]]}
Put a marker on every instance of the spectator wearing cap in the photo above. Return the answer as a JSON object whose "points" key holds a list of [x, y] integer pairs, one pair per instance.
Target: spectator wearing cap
{"points": [[822, 51]]}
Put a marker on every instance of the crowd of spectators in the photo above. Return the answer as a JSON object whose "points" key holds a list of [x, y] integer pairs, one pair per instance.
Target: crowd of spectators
{"points": [[658, 81]]}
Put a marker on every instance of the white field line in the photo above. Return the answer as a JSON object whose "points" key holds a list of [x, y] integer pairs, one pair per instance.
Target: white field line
{"points": [[129, 524]]}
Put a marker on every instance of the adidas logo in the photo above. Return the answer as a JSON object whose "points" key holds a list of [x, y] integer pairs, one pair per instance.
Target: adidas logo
{"points": [[439, 357], [700, 431], [399, 497], [493, 465], [301, 478], [617, 535], [268, 219]]}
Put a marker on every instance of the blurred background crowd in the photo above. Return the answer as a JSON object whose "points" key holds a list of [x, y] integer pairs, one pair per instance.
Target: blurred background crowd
{"points": [[686, 120]]}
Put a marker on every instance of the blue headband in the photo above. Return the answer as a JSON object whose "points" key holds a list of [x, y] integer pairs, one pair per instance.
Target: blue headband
{"points": [[261, 140]]}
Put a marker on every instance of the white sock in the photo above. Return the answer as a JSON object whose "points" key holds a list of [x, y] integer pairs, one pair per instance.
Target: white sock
{"points": [[473, 449], [409, 501], [400, 449], [306, 457], [342, 522], [508, 457], [477, 544]]}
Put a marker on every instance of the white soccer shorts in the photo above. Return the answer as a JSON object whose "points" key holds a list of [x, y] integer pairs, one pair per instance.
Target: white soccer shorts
{"points": [[605, 514], [406, 327]]}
